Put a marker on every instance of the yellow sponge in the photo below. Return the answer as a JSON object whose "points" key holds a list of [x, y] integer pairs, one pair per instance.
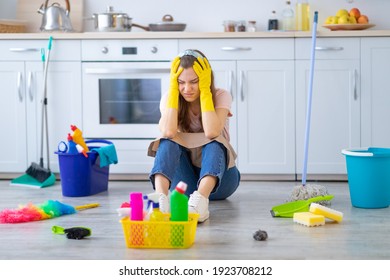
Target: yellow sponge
{"points": [[309, 219], [329, 213]]}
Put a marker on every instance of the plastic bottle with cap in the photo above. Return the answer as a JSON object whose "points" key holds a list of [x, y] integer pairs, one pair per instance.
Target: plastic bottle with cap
{"points": [[77, 136], [179, 203], [72, 149], [136, 215], [288, 18], [137, 206], [154, 213]]}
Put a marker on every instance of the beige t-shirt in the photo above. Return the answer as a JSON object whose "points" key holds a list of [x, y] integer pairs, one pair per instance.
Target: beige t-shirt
{"points": [[221, 99]]}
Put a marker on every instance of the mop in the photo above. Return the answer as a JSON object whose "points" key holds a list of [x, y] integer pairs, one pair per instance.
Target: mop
{"points": [[36, 174], [307, 191]]}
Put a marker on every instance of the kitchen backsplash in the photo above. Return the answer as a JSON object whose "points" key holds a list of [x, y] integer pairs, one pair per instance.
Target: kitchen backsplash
{"points": [[208, 15]]}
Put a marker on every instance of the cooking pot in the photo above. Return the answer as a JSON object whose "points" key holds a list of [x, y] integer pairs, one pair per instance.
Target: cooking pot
{"points": [[111, 21], [55, 17]]}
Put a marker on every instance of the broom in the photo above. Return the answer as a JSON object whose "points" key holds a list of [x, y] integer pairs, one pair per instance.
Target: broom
{"points": [[307, 191], [38, 171]]}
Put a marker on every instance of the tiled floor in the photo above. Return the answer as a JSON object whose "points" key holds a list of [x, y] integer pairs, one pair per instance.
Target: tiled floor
{"points": [[227, 235]]}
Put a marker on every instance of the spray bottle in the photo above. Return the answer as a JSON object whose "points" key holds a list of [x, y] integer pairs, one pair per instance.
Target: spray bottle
{"points": [[77, 135], [154, 213], [72, 145]]}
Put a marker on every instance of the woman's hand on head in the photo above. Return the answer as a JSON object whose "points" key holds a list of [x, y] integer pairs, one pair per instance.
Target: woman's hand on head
{"points": [[202, 68], [173, 95]]}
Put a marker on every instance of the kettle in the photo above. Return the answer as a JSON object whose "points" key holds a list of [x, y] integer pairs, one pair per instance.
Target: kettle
{"points": [[55, 17]]}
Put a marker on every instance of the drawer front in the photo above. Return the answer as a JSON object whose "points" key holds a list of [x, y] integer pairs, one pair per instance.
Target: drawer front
{"points": [[129, 50], [328, 48], [242, 49], [30, 50]]}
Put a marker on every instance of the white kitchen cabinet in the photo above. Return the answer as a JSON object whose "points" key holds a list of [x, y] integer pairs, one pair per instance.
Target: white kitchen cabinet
{"points": [[335, 114], [265, 112], [375, 63], [22, 80], [13, 125], [260, 75]]}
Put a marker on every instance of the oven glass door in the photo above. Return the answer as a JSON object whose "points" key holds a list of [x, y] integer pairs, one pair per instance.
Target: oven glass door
{"points": [[122, 99]]}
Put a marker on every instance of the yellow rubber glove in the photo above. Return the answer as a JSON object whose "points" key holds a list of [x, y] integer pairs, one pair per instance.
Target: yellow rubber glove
{"points": [[173, 94], [203, 70]]}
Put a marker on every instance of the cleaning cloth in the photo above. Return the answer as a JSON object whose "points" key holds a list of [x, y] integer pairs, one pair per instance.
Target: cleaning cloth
{"points": [[107, 155]]}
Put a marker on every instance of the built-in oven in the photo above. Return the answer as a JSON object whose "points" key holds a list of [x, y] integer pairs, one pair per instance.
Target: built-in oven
{"points": [[123, 81]]}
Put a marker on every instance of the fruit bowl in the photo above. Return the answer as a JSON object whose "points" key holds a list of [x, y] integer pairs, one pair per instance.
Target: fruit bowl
{"points": [[357, 26]]}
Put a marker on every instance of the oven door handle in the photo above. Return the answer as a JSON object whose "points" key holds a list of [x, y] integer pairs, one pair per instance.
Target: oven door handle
{"points": [[125, 70]]}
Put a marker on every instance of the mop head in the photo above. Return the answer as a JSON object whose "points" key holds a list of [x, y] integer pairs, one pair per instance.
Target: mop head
{"points": [[302, 192]]}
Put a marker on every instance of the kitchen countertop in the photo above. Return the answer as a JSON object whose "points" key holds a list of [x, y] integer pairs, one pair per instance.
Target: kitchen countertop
{"points": [[190, 35]]}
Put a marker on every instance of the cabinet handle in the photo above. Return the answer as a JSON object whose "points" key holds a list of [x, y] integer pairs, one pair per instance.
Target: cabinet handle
{"points": [[355, 96], [242, 85], [24, 50], [329, 48], [124, 70], [230, 83], [29, 86], [229, 49], [19, 86]]}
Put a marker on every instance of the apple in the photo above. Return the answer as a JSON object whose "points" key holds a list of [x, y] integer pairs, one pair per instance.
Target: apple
{"points": [[344, 19], [355, 12], [342, 12], [334, 20], [352, 20], [363, 19]]}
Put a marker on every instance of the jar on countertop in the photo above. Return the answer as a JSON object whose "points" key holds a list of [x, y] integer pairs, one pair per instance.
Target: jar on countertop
{"points": [[229, 25], [241, 26], [251, 27]]}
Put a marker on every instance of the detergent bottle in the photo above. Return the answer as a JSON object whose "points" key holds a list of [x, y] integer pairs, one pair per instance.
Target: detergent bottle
{"points": [[179, 203], [179, 215], [136, 217], [77, 136]]}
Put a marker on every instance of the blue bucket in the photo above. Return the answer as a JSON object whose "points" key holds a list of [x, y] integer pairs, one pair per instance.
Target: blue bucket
{"points": [[83, 176], [369, 177]]}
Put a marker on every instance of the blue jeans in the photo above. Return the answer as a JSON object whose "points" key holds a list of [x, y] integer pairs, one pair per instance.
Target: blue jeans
{"points": [[174, 162]]}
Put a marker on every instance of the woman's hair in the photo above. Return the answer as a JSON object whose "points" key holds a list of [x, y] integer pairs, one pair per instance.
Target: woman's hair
{"points": [[187, 60]]}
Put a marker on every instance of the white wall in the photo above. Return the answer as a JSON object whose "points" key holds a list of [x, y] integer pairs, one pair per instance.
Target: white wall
{"points": [[208, 15]]}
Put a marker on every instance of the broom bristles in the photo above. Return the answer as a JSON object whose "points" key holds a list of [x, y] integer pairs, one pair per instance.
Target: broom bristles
{"points": [[38, 172]]}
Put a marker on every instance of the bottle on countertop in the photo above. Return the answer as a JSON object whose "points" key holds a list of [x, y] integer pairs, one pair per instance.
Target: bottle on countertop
{"points": [[179, 203], [273, 22], [288, 19], [302, 15]]}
